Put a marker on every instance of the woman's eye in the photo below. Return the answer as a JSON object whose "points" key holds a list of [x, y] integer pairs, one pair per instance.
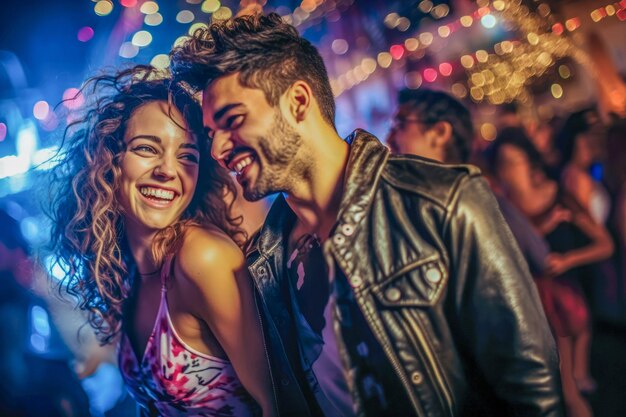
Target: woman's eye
{"points": [[189, 157], [144, 149]]}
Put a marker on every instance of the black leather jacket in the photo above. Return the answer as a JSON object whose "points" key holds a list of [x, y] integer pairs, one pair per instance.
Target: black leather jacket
{"points": [[440, 282]]}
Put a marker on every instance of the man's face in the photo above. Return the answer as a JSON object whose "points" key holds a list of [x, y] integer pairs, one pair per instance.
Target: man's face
{"points": [[250, 137], [407, 134]]}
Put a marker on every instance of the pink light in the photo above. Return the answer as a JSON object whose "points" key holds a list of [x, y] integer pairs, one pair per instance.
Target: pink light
{"points": [[73, 98], [621, 14], [85, 33], [445, 69], [430, 74], [128, 3], [396, 51], [3, 131], [40, 110], [557, 28]]}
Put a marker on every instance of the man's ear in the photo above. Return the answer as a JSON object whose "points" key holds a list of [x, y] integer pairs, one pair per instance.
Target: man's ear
{"points": [[441, 134], [299, 100]]}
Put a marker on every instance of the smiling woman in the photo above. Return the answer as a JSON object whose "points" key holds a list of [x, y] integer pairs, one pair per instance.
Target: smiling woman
{"points": [[140, 219]]}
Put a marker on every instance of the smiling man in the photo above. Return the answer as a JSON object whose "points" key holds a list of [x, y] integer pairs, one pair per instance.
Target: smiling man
{"points": [[390, 285]]}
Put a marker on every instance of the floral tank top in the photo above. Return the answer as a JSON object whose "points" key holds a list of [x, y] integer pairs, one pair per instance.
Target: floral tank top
{"points": [[173, 379]]}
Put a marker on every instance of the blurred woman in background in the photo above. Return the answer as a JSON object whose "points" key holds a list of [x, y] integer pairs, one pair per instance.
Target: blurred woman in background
{"points": [[574, 239]]}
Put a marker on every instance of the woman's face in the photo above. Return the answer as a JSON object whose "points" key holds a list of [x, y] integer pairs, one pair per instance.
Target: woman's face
{"points": [[512, 165], [159, 168]]}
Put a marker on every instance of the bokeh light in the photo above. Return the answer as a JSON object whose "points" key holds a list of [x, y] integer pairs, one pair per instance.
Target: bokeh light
{"points": [[210, 6], [397, 51], [339, 46], [73, 98], [430, 75], [223, 13], [488, 21], [3, 131], [197, 26], [40, 110], [154, 19], [445, 69], [149, 7], [488, 131], [128, 50], [103, 7], [85, 33], [142, 38], [556, 90], [413, 80], [128, 3], [160, 61], [185, 16]]}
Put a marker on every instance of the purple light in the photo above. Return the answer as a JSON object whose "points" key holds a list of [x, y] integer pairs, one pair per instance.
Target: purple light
{"points": [[3, 131], [85, 33]]}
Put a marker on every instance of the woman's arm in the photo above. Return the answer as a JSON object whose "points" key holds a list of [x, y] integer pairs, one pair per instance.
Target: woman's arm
{"points": [[601, 247], [221, 294]]}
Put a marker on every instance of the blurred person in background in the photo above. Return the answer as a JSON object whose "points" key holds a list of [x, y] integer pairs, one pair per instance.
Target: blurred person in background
{"points": [[142, 228], [581, 143], [36, 377], [575, 240], [435, 125]]}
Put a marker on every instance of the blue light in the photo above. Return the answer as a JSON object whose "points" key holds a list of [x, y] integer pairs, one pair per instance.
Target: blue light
{"points": [[38, 342], [40, 321], [488, 21]]}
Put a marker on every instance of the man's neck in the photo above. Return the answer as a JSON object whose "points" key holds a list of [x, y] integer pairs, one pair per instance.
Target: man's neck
{"points": [[315, 199]]}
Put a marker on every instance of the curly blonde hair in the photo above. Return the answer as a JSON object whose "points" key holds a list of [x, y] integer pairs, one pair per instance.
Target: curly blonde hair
{"points": [[87, 236]]}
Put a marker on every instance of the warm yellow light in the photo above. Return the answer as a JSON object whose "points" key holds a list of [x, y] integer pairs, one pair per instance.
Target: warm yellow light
{"points": [[103, 7], [223, 13], [459, 90], [564, 71], [210, 6], [384, 59], [411, 44], [466, 21], [153, 19], [488, 131], [533, 38], [160, 61], [369, 65], [142, 38], [498, 5], [482, 55], [467, 61], [197, 26], [149, 7], [444, 31], [556, 90], [426, 38]]}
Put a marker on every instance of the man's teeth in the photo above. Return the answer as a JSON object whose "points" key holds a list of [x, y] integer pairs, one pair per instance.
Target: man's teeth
{"points": [[157, 192], [239, 166]]}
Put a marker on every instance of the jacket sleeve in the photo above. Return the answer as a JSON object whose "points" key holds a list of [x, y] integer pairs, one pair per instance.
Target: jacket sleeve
{"points": [[499, 315]]}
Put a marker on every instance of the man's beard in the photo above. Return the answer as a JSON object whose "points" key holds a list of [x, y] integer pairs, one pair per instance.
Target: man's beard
{"points": [[278, 149]]}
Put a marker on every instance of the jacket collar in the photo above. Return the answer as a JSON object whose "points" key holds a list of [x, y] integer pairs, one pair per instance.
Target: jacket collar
{"points": [[365, 164]]}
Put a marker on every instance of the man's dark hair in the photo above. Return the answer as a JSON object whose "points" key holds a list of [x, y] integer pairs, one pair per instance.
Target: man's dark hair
{"points": [[432, 106], [268, 54]]}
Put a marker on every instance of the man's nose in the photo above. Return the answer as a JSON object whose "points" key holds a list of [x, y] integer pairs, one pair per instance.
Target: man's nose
{"points": [[221, 146]]}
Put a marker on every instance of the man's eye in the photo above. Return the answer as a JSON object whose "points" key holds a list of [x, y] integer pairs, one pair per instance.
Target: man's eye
{"points": [[234, 122]]}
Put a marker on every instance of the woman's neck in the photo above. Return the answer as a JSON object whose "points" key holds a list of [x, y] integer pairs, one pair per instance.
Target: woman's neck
{"points": [[140, 245]]}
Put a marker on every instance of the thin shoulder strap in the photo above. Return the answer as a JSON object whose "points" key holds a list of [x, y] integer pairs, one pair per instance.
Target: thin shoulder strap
{"points": [[165, 270]]}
